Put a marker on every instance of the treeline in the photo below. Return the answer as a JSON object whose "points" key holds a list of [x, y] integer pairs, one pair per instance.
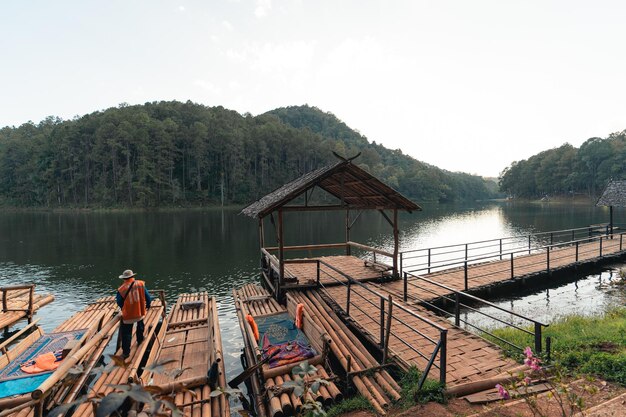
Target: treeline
{"points": [[173, 153], [567, 170]]}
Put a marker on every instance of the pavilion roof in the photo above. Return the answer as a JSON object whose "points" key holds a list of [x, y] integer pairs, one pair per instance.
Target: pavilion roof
{"points": [[353, 186], [614, 194]]}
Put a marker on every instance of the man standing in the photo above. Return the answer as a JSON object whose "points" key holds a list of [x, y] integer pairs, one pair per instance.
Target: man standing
{"points": [[134, 299]]}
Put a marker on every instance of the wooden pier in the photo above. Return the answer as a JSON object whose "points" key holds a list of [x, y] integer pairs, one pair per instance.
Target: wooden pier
{"points": [[20, 302]]}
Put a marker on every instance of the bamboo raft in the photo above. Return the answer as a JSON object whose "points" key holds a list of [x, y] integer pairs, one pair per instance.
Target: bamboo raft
{"points": [[191, 344], [368, 376], [119, 375], [100, 324], [269, 399], [20, 302]]}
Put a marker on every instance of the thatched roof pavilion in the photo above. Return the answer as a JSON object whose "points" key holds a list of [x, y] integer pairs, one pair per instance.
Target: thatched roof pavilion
{"points": [[614, 195], [354, 190]]}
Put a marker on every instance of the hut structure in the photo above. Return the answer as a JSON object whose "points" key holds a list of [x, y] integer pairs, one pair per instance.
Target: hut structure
{"points": [[351, 190], [614, 195]]}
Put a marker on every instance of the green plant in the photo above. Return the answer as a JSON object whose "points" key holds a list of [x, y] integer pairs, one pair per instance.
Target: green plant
{"points": [[349, 404], [411, 394], [302, 384]]}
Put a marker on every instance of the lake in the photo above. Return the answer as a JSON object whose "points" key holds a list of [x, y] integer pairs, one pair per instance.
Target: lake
{"points": [[78, 256]]}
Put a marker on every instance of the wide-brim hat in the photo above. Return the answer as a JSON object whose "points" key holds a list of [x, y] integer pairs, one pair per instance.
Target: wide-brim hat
{"points": [[127, 274]]}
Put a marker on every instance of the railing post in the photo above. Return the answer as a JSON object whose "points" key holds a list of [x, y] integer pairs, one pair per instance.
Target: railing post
{"points": [[382, 322], [318, 273], [551, 238], [500, 249], [466, 251], [443, 353], [388, 329], [620, 241], [405, 287], [512, 272], [401, 267], [548, 259], [348, 298], [457, 309], [4, 300], [537, 337], [577, 251], [429, 260], [466, 287], [600, 246], [529, 244]]}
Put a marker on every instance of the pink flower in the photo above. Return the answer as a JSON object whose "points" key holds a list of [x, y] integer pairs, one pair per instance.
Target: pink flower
{"points": [[504, 394], [528, 352], [526, 381]]}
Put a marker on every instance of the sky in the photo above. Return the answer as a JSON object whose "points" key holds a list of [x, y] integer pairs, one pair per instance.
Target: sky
{"points": [[467, 86]]}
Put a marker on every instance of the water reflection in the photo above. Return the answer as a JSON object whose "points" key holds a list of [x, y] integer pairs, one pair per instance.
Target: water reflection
{"points": [[78, 256]]}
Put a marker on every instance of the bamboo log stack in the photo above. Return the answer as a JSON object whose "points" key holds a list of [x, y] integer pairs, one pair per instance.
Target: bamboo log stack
{"points": [[95, 317], [120, 375], [270, 399], [193, 340], [373, 382], [20, 302]]}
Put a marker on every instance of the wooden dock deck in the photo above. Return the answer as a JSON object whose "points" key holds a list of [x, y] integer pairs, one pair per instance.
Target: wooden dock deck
{"points": [[20, 302], [469, 357], [357, 268], [514, 268]]}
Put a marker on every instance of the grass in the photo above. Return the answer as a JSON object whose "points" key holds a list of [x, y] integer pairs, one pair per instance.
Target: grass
{"points": [[349, 404], [589, 345], [431, 390]]}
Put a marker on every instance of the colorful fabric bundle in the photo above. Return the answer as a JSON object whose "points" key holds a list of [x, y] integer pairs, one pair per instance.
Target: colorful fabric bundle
{"points": [[288, 352]]}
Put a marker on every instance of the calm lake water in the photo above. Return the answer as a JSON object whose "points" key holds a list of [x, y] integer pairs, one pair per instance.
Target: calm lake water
{"points": [[78, 256]]}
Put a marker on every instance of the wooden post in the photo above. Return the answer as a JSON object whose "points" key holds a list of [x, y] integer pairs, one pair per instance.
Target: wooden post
{"points": [[281, 254], [261, 233], [611, 220], [348, 248], [395, 242], [388, 330]]}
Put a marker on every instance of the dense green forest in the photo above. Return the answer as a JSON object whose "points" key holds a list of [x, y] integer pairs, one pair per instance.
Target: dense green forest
{"points": [[567, 170], [179, 154]]}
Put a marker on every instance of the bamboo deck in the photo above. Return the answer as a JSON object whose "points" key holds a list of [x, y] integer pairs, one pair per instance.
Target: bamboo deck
{"points": [[16, 301], [93, 317], [469, 359], [119, 375], [254, 300], [192, 339]]}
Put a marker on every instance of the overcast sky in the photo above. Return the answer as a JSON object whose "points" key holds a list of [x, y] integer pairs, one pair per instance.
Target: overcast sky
{"points": [[464, 85]]}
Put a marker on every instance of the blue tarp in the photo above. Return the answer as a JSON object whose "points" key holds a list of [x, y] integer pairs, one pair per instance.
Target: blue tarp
{"points": [[14, 381]]}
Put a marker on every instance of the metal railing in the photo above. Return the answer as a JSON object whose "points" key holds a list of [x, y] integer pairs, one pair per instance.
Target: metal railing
{"points": [[359, 295], [448, 256], [458, 298], [15, 288]]}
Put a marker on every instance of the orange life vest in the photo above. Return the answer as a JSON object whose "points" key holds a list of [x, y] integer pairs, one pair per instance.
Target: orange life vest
{"points": [[134, 308]]}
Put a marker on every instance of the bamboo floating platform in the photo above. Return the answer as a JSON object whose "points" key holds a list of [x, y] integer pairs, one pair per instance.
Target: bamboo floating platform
{"points": [[96, 318], [191, 338], [119, 375], [268, 397], [370, 380], [20, 302]]}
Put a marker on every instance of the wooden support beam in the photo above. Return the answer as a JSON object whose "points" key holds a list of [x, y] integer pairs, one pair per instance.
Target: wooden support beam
{"points": [[386, 217], [348, 249], [281, 254], [395, 242]]}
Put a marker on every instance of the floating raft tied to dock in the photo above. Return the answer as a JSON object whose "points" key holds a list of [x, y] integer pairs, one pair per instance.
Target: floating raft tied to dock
{"points": [[20, 302], [190, 341], [103, 385], [270, 399], [95, 325], [368, 376]]}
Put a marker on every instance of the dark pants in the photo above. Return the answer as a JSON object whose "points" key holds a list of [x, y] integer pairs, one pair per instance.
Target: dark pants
{"points": [[126, 333]]}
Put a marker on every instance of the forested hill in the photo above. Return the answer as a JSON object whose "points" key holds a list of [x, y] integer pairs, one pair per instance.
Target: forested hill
{"points": [[568, 170], [173, 153]]}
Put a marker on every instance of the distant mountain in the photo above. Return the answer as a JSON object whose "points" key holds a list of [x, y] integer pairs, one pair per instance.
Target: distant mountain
{"points": [[174, 153], [568, 170]]}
